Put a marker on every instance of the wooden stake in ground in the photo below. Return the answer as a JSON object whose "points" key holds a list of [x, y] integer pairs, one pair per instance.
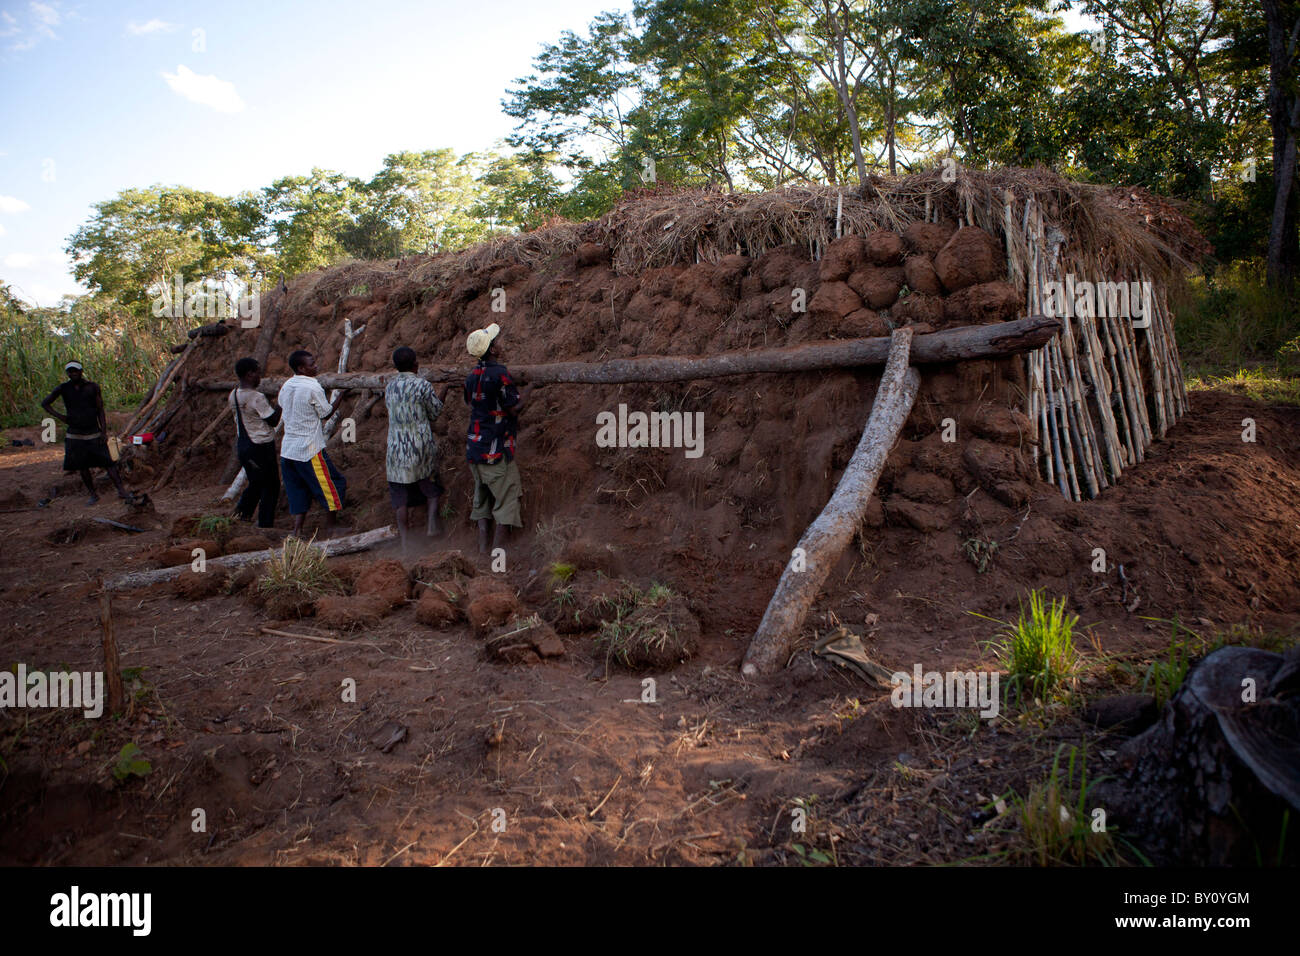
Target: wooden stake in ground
{"points": [[828, 536], [348, 335], [333, 546], [112, 663]]}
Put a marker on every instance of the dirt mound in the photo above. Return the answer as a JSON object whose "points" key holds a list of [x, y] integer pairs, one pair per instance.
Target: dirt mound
{"points": [[524, 641], [686, 274], [350, 611], [658, 633], [436, 610], [386, 580]]}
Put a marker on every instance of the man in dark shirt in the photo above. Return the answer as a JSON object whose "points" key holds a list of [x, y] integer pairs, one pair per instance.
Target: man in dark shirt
{"points": [[494, 404], [86, 444], [255, 422]]}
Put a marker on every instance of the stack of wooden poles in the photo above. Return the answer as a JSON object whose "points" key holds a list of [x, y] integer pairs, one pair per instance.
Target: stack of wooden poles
{"points": [[1104, 389]]}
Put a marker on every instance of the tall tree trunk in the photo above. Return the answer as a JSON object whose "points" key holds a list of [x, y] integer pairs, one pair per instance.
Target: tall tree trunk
{"points": [[1283, 257], [840, 26], [890, 125]]}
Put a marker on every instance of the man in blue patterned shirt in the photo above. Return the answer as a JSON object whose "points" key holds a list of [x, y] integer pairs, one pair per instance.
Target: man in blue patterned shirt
{"points": [[411, 461], [494, 404]]}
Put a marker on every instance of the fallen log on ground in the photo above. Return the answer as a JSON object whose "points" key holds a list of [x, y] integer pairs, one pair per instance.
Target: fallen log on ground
{"points": [[952, 345], [828, 536], [333, 546]]}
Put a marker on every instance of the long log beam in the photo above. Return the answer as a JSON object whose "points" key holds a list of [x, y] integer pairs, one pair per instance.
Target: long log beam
{"points": [[951, 345]]}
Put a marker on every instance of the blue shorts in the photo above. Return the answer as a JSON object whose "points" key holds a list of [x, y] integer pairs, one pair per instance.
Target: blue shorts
{"points": [[318, 478]]}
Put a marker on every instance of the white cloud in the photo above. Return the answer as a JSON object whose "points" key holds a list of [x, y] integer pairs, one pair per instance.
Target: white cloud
{"points": [[209, 90], [43, 17], [151, 26], [45, 14], [2, 230], [12, 204], [33, 260]]}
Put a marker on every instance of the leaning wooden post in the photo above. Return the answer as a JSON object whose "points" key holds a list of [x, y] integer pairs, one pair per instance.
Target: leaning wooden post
{"points": [[828, 536], [348, 335], [112, 663], [143, 411]]}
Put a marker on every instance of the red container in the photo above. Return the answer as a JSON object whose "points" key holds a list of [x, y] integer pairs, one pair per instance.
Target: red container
{"points": [[142, 439]]}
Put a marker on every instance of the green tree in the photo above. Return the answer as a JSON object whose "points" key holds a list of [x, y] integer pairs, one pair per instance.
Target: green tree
{"points": [[138, 242], [576, 105], [307, 217], [420, 202], [517, 191]]}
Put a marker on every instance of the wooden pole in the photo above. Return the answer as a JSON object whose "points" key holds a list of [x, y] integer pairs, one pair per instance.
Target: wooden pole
{"points": [[112, 661], [162, 387], [212, 426], [333, 546], [828, 536], [1132, 436], [167, 369], [361, 409], [348, 335], [951, 345]]}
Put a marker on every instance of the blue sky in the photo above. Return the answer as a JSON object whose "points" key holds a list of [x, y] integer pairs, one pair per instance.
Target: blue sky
{"points": [[99, 97]]}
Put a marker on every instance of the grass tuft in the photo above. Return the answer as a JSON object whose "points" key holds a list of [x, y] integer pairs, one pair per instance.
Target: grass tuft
{"points": [[1058, 828], [1038, 649], [298, 566]]}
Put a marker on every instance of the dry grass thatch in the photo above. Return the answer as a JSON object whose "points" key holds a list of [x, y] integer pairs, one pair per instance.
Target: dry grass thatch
{"points": [[1116, 229]]}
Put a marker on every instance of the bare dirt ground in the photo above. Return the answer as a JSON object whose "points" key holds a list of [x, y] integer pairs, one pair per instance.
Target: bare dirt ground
{"points": [[561, 762]]}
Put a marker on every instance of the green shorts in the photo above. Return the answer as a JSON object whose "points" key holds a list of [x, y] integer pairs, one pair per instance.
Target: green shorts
{"points": [[496, 493]]}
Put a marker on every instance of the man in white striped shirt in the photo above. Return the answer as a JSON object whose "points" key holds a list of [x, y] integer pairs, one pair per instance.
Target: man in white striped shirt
{"points": [[307, 471]]}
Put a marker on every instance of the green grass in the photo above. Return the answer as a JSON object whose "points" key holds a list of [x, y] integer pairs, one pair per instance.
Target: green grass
{"points": [[561, 572], [215, 525], [1058, 827], [1275, 384], [1164, 675], [121, 353], [1234, 333], [1038, 649]]}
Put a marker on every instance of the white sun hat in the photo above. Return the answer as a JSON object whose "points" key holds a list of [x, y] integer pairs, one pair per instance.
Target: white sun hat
{"points": [[481, 339]]}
